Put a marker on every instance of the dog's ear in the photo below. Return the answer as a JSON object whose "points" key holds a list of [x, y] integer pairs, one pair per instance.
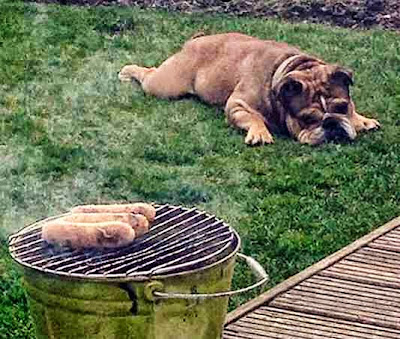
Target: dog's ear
{"points": [[288, 88], [342, 76]]}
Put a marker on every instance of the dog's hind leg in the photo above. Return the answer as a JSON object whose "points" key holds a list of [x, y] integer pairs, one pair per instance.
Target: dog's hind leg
{"points": [[133, 72], [172, 79]]}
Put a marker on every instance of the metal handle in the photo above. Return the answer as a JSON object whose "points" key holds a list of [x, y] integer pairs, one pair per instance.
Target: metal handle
{"points": [[255, 267]]}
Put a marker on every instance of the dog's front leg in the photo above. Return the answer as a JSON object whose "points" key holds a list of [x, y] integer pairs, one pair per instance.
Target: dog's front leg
{"points": [[241, 115], [361, 123]]}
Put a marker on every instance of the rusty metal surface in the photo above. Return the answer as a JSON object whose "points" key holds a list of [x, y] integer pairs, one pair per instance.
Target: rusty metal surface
{"points": [[356, 296]]}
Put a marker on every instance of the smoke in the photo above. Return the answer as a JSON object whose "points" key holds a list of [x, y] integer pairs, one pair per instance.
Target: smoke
{"points": [[26, 200]]}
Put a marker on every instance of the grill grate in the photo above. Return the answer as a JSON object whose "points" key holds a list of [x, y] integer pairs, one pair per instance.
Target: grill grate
{"points": [[180, 240]]}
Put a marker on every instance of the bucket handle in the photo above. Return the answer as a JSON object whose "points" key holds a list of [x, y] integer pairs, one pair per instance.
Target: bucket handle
{"points": [[255, 267]]}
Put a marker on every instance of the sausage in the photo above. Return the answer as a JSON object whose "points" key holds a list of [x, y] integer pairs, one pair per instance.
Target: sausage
{"points": [[137, 221], [144, 209], [137, 208], [141, 224], [101, 217], [111, 234]]}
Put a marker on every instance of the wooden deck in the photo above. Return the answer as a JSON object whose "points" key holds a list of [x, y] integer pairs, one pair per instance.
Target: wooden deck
{"points": [[354, 293]]}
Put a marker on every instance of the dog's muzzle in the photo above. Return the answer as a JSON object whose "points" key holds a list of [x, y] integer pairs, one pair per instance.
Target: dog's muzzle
{"points": [[338, 128]]}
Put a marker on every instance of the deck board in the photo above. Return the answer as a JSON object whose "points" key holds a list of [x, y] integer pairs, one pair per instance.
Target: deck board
{"points": [[354, 293]]}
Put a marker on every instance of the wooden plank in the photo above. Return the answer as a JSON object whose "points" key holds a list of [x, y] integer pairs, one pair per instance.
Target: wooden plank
{"points": [[230, 334], [339, 306], [393, 235], [385, 247], [255, 333], [373, 268], [374, 260], [366, 250], [357, 294], [338, 324], [250, 335], [294, 331], [290, 333], [270, 322], [388, 241], [322, 329], [383, 293], [372, 271], [321, 265], [355, 298], [363, 275], [343, 301], [336, 310], [361, 278]]}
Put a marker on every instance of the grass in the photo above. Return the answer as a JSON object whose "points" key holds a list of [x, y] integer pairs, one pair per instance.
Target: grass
{"points": [[70, 134]]}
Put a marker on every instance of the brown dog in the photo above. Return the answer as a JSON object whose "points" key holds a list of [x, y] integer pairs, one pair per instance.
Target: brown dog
{"points": [[263, 85]]}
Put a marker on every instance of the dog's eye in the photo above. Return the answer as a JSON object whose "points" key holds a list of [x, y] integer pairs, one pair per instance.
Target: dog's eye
{"points": [[309, 120], [291, 88], [341, 108]]}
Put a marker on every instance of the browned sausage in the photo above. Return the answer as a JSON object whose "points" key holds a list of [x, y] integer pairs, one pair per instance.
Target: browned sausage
{"points": [[141, 226], [100, 217], [137, 221], [137, 208], [111, 234], [145, 209]]}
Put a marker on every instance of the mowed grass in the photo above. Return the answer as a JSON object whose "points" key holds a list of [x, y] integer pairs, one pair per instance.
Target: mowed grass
{"points": [[70, 133]]}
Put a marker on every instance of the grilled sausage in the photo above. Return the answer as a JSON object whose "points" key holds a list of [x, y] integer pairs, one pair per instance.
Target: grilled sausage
{"points": [[111, 234], [137, 208], [137, 221], [100, 217], [140, 225]]}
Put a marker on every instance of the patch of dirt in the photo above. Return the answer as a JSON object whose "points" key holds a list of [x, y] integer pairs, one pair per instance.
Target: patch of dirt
{"points": [[346, 13]]}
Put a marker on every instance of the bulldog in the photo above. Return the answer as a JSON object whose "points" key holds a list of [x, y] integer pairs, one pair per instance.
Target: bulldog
{"points": [[266, 87]]}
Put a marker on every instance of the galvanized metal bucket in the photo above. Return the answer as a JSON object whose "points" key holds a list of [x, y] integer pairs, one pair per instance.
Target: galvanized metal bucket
{"points": [[63, 308], [192, 304]]}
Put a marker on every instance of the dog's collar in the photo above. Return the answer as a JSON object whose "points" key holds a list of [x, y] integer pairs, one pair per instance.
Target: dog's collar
{"points": [[281, 70]]}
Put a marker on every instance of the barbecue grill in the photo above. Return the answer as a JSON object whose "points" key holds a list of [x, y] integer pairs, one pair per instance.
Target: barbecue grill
{"points": [[173, 282]]}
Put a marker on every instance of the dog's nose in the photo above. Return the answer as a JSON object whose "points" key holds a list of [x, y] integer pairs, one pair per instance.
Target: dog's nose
{"points": [[330, 124], [334, 131]]}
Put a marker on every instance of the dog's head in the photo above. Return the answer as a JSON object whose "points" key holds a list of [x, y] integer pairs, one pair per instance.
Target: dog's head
{"points": [[315, 99]]}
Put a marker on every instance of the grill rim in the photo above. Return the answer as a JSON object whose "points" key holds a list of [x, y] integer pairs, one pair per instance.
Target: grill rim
{"points": [[117, 278]]}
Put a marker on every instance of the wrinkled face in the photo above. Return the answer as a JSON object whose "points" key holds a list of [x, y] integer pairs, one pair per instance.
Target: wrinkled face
{"points": [[318, 104]]}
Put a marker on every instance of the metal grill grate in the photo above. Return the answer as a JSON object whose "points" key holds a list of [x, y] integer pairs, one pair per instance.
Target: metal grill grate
{"points": [[180, 240]]}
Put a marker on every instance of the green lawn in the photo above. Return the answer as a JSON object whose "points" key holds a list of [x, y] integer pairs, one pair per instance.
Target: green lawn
{"points": [[70, 133]]}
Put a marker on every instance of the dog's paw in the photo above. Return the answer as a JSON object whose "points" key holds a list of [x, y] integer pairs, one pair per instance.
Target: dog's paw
{"points": [[365, 124], [127, 73], [369, 124], [258, 136]]}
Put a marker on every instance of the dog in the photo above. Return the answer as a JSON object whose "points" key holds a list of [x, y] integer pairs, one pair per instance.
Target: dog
{"points": [[266, 87]]}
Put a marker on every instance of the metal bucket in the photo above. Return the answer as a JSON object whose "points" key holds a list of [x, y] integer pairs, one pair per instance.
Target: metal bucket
{"points": [[63, 308], [191, 304]]}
